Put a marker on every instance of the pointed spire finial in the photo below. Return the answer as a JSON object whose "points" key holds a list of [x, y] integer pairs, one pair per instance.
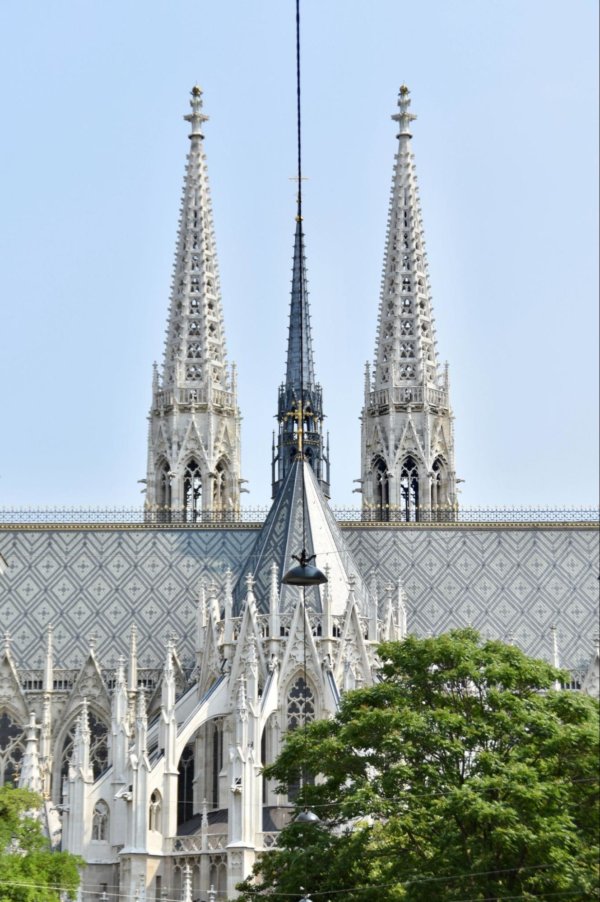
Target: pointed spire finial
{"points": [[403, 117], [196, 117]]}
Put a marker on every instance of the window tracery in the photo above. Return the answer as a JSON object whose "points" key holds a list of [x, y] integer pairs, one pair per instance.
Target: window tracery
{"points": [[98, 746], [194, 350], [192, 490], [300, 704], [409, 489], [381, 488]]}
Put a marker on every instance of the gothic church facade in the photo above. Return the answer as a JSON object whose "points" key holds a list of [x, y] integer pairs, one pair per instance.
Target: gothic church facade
{"points": [[150, 669]]}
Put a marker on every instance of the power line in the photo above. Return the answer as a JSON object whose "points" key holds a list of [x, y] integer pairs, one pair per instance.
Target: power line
{"points": [[397, 883]]}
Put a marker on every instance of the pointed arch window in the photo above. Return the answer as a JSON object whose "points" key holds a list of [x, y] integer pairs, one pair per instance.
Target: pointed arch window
{"points": [[300, 711], [381, 489], [192, 491], [12, 746], [216, 740], [100, 822], [98, 746], [185, 785], [409, 489], [300, 704]]}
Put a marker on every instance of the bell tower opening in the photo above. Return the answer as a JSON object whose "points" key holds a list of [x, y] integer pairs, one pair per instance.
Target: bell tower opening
{"points": [[192, 492], [409, 489], [381, 487]]}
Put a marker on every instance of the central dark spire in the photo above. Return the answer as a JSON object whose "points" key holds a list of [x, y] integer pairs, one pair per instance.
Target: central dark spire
{"points": [[299, 355], [300, 407], [300, 397]]}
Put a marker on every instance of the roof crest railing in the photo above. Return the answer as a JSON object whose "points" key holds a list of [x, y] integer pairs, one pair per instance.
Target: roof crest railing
{"points": [[254, 516]]}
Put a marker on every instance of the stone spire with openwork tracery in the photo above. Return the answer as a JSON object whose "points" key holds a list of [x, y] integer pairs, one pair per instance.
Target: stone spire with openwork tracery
{"points": [[194, 434]]}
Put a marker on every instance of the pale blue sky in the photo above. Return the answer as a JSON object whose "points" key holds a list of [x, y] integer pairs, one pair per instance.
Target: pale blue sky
{"points": [[91, 168]]}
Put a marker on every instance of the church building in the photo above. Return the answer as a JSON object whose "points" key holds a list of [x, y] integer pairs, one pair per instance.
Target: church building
{"points": [[151, 666]]}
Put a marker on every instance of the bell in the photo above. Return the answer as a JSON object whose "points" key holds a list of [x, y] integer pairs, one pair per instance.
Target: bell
{"points": [[305, 573]]}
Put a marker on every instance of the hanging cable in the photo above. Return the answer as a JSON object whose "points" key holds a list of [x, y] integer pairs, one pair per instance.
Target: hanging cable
{"points": [[304, 574]]}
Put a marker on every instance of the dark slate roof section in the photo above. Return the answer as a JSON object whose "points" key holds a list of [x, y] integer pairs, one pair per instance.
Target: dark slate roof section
{"points": [[281, 538]]}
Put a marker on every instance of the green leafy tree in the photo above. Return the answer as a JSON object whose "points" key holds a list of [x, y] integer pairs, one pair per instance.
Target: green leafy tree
{"points": [[29, 870], [461, 775]]}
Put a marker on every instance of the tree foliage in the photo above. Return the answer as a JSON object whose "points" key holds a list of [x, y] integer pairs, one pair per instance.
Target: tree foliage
{"points": [[461, 775], [29, 870]]}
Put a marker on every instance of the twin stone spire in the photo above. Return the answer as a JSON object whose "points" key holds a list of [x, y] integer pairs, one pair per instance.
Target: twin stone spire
{"points": [[194, 448]]}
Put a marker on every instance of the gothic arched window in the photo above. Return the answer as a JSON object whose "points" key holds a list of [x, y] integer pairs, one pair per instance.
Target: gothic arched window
{"points": [[300, 704], [155, 811], [381, 489], [409, 489], [185, 785], [300, 711], [12, 746], [98, 746], [216, 760], [192, 491], [100, 822]]}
